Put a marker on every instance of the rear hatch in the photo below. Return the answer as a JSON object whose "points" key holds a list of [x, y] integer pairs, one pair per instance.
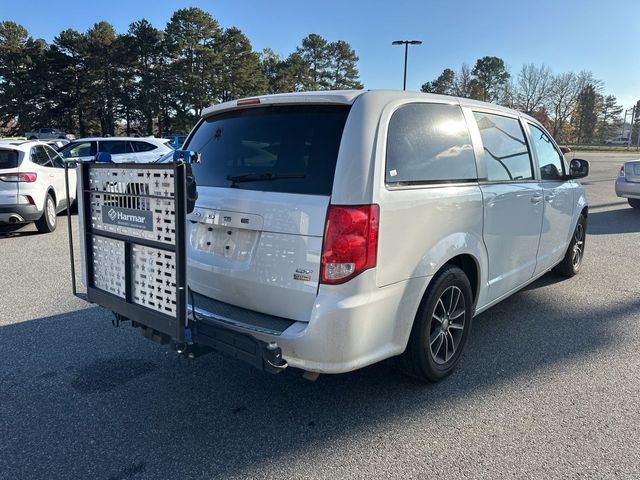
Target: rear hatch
{"points": [[264, 184], [9, 162], [632, 171]]}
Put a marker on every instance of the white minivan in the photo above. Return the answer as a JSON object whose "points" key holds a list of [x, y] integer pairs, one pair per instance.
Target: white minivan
{"points": [[348, 227]]}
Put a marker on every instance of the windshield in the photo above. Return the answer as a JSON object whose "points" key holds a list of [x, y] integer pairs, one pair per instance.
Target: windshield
{"points": [[290, 149], [167, 157], [8, 159]]}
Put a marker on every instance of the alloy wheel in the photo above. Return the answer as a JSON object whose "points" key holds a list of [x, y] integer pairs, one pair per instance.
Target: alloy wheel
{"points": [[51, 212], [447, 325], [578, 246]]}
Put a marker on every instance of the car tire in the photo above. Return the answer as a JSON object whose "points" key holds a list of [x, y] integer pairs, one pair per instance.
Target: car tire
{"points": [[634, 202], [443, 323], [570, 264], [47, 222]]}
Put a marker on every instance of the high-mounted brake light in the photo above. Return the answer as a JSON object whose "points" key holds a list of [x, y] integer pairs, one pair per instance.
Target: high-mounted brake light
{"points": [[248, 101], [350, 242], [19, 177]]}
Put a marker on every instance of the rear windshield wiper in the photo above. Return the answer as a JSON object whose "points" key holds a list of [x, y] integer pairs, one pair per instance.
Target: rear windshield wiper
{"points": [[263, 177]]}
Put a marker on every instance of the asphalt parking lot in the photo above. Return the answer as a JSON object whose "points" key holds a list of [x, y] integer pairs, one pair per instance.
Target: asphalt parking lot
{"points": [[547, 388]]}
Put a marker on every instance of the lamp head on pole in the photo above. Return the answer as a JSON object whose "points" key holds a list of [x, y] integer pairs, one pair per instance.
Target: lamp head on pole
{"points": [[408, 42]]}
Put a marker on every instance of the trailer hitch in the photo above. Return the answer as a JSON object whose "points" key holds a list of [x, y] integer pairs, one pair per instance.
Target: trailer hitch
{"points": [[272, 356]]}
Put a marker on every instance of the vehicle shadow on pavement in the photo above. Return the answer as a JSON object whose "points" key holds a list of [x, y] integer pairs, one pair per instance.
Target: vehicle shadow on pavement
{"points": [[20, 230], [28, 229], [79, 398], [623, 220]]}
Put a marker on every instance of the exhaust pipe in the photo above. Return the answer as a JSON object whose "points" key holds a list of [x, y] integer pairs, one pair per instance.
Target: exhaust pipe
{"points": [[15, 219]]}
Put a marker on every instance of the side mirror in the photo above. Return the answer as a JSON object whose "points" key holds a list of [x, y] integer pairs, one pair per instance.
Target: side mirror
{"points": [[103, 157], [186, 156], [578, 168]]}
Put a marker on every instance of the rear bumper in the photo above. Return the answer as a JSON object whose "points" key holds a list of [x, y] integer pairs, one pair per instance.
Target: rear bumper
{"points": [[352, 325], [19, 213], [627, 189]]}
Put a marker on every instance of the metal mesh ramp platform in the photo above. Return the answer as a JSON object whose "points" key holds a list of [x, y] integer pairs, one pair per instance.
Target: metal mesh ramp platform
{"points": [[134, 238]]}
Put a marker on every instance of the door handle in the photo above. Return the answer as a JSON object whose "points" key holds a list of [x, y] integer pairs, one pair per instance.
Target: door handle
{"points": [[536, 198], [550, 196]]}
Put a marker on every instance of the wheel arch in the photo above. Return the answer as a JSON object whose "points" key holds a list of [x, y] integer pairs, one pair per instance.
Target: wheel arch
{"points": [[471, 268], [470, 264], [52, 192]]}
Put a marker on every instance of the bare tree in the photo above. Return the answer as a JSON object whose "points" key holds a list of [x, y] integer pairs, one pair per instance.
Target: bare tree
{"points": [[563, 97], [462, 83], [532, 87]]}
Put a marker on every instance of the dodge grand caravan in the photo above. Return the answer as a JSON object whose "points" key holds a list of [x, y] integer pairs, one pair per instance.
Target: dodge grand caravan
{"points": [[350, 227]]}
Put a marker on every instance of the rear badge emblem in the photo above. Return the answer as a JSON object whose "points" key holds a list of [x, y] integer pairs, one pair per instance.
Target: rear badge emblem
{"points": [[302, 274]]}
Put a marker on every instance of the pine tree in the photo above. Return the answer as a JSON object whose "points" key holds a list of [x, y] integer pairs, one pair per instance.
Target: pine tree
{"points": [[443, 85], [195, 70], [242, 74], [491, 76], [316, 54], [609, 117], [343, 73]]}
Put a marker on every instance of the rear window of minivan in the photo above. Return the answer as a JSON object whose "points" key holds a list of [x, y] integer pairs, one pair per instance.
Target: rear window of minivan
{"points": [[291, 149], [8, 159]]}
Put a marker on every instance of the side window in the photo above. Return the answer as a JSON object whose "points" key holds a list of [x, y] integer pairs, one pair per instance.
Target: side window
{"points": [[114, 147], [549, 159], [55, 157], [429, 143], [142, 146], [80, 149], [39, 156], [505, 148]]}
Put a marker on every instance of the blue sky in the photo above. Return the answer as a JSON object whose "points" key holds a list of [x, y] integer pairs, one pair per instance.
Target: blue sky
{"points": [[600, 36]]}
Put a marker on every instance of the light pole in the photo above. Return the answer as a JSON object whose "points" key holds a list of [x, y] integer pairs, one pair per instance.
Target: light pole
{"points": [[406, 44]]}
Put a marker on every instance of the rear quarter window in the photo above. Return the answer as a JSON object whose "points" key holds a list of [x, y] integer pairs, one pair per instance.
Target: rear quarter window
{"points": [[291, 149], [429, 143], [142, 147], [8, 159]]}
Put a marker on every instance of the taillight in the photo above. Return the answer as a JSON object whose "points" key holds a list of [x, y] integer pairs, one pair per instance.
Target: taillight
{"points": [[621, 172], [350, 242], [18, 177]]}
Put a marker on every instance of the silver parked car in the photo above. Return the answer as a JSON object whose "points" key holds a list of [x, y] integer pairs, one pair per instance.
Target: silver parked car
{"points": [[628, 183]]}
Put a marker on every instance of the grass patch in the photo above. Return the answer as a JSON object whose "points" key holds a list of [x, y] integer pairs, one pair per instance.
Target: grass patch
{"points": [[602, 148]]}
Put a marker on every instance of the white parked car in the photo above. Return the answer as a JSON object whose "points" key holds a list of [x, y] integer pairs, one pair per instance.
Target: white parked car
{"points": [[32, 184], [48, 133], [122, 149], [620, 140], [350, 227]]}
